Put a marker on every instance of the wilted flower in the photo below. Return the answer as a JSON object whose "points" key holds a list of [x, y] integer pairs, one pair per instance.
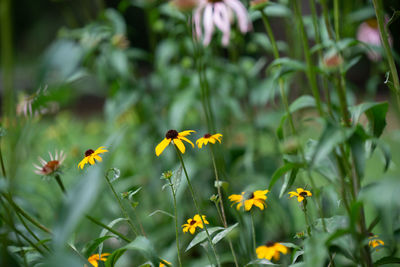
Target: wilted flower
{"points": [[257, 198], [208, 138], [120, 41], [193, 223], [332, 61], [176, 138], [271, 250], [301, 194], [49, 167], [219, 13], [368, 32], [93, 260], [91, 156]]}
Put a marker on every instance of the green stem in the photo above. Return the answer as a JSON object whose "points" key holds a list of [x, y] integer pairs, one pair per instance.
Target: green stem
{"points": [[306, 217], [176, 225], [386, 46], [121, 206], [311, 75], [3, 168], [253, 232], [60, 183], [108, 228], [7, 57], [197, 206], [222, 213], [336, 18]]}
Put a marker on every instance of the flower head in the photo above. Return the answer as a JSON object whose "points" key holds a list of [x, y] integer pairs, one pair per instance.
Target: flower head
{"points": [[256, 198], [219, 13], [301, 194], [208, 138], [193, 223], [374, 242], [271, 250], [91, 156], [93, 260], [176, 138], [368, 32], [50, 167]]}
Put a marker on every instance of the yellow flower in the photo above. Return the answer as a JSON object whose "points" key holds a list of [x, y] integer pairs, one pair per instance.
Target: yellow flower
{"points": [[208, 138], [176, 138], [162, 264], [91, 156], [95, 258], [257, 198], [301, 194], [375, 242], [193, 223], [271, 250]]}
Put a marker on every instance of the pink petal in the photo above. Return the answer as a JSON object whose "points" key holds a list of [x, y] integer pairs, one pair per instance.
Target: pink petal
{"points": [[208, 24], [241, 13], [221, 20]]}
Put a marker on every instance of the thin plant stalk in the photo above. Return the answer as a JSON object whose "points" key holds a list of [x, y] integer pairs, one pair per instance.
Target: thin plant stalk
{"points": [[386, 46], [222, 213], [176, 224], [121, 206], [336, 18], [253, 232], [304, 203], [60, 183], [311, 75], [197, 205], [123, 237], [287, 109]]}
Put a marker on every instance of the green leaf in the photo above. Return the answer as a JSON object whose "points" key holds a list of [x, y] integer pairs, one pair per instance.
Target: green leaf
{"points": [[91, 246], [357, 145], [113, 258], [277, 10], [162, 212], [315, 252], [332, 136], [387, 260], [200, 237], [176, 179], [376, 114], [290, 177], [304, 101], [281, 171], [290, 65], [105, 231], [223, 233], [260, 261], [78, 200]]}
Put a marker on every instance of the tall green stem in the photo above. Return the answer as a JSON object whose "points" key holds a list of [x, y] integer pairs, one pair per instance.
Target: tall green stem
{"points": [[311, 75], [223, 216], [197, 206], [386, 46], [108, 228], [253, 232], [176, 224], [121, 206]]}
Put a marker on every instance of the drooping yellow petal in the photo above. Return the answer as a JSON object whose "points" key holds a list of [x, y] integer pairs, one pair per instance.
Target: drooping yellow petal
{"points": [[161, 146], [185, 139], [300, 198], [82, 163], [199, 142], [100, 150], [248, 204], [192, 230], [299, 190], [91, 160], [98, 158], [293, 194], [212, 140], [259, 203], [281, 248], [179, 144]]}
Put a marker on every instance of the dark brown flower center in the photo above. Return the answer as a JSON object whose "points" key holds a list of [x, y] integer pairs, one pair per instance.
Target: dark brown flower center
{"points": [[303, 194], [251, 196], [373, 23], [89, 152], [171, 134], [270, 244], [207, 135], [192, 222], [214, 1], [51, 166]]}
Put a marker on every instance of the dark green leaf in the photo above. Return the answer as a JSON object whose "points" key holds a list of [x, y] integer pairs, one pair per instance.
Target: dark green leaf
{"points": [[223, 233], [281, 171], [387, 260], [200, 237], [92, 245]]}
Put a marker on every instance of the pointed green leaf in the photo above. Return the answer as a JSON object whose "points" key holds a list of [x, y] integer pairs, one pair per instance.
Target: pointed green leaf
{"points": [[223, 233]]}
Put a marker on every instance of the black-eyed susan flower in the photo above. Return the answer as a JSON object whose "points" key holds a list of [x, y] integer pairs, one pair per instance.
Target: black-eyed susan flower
{"points": [[176, 138], [193, 223], [163, 265], [301, 194], [256, 198], [374, 242], [93, 260], [271, 250], [92, 155], [208, 138], [51, 166]]}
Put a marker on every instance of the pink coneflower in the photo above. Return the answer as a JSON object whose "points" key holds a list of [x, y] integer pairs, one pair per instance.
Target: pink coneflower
{"points": [[49, 167], [368, 32], [219, 13]]}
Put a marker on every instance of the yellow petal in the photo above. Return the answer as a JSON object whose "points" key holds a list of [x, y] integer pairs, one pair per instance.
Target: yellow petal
{"points": [[185, 139], [281, 248], [248, 204], [192, 230], [185, 133], [180, 145], [82, 163], [91, 160], [299, 190], [300, 198], [161, 146], [199, 142], [259, 203], [98, 158], [212, 140]]}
